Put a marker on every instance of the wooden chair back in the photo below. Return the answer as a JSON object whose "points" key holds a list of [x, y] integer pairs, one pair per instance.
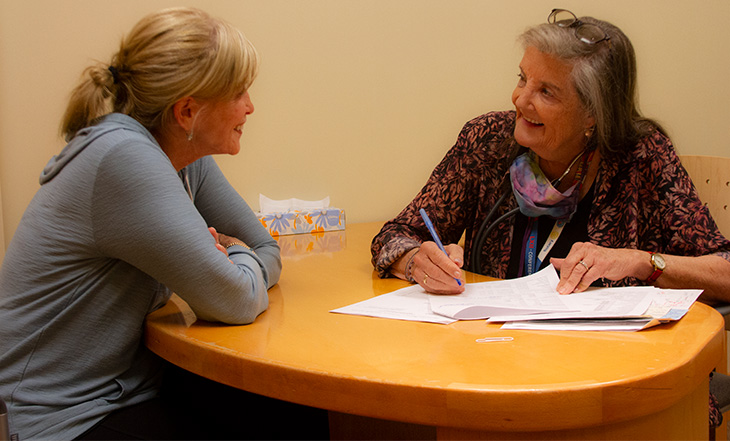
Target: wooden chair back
{"points": [[4, 427], [711, 176]]}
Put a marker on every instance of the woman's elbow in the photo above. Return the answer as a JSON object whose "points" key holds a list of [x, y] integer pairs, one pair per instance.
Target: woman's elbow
{"points": [[248, 315], [243, 313], [238, 304]]}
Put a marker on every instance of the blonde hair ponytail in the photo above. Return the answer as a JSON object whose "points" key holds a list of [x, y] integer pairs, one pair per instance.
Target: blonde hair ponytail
{"points": [[89, 100], [168, 55]]}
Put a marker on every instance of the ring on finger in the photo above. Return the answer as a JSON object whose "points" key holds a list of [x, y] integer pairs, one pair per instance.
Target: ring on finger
{"points": [[425, 278], [585, 265]]}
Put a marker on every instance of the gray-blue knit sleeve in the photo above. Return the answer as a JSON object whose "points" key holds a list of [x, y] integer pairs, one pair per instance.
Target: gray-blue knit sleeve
{"points": [[142, 215], [223, 208]]}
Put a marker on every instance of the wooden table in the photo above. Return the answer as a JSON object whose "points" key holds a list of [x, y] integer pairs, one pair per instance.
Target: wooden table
{"points": [[435, 380]]}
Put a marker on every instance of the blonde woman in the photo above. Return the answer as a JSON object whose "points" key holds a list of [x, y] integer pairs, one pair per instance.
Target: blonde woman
{"points": [[131, 210]]}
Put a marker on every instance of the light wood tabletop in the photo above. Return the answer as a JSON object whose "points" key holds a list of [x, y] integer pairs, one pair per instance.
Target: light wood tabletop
{"points": [[543, 384]]}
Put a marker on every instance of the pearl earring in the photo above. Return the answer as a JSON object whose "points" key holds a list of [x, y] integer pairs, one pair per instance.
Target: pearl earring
{"points": [[190, 136]]}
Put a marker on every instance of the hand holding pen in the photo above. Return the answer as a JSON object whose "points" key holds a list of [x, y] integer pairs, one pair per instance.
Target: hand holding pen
{"points": [[433, 267]]}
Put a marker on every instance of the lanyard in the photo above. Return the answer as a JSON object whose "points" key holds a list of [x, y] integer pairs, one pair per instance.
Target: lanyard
{"points": [[530, 260], [529, 243], [552, 238]]}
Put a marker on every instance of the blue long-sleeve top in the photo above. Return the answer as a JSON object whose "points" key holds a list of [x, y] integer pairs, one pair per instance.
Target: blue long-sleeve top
{"points": [[111, 233]]}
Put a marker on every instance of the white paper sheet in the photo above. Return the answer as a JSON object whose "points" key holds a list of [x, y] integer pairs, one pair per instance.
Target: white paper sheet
{"points": [[410, 303], [526, 295], [533, 303], [666, 305], [632, 301]]}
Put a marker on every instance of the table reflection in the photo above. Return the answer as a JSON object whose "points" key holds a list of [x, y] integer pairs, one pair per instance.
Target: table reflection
{"points": [[296, 245]]}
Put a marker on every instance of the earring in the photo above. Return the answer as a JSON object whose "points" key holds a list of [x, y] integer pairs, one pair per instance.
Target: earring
{"points": [[190, 136], [589, 132]]}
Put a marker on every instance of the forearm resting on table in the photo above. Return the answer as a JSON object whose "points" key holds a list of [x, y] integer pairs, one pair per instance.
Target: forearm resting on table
{"points": [[710, 273]]}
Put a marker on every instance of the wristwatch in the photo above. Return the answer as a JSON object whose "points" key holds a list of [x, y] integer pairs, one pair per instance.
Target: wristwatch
{"points": [[657, 261]]}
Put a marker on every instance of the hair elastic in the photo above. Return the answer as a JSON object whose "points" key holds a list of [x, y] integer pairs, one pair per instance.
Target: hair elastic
{"points": [[115, 74]]}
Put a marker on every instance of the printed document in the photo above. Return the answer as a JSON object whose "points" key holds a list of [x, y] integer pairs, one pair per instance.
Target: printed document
{"points": [[532, 302]]}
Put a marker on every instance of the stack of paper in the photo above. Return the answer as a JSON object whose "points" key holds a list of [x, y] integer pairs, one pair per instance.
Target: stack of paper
{"points": [[532, 302]]}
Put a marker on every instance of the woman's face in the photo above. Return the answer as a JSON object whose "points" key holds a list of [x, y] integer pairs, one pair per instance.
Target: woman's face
{"points": [[219, 126], [550, 118]]}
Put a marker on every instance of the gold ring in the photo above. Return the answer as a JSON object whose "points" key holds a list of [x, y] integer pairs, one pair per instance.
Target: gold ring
{"points": [[585, 265], [425, 279]]}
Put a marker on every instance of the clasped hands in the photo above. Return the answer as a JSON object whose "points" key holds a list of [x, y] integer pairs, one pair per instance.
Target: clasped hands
{"points": [[437, 272], [222, 242]]}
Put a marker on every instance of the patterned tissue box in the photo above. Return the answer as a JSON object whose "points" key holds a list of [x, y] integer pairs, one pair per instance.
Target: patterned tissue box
{"points": [[301, 222]]}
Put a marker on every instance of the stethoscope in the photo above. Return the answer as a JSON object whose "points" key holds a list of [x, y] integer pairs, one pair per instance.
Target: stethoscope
{"points": [[486, 227], [475, 261]]}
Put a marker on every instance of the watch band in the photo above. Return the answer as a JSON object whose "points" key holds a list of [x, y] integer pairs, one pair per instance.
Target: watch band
{"points": [[657, 270]]}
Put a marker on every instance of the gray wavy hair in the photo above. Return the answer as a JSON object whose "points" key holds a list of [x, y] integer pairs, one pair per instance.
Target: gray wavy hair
{"points": [[604, 76]]}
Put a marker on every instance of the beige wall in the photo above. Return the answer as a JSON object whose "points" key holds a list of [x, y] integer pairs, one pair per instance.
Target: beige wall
{"points": [[357, 100]]}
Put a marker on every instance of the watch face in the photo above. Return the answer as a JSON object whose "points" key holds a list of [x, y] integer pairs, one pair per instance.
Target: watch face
{"points": [[658, 261]]}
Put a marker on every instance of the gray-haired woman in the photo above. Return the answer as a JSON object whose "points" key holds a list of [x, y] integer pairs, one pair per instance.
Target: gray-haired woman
{"points": [[574, 161], [573, 177]]}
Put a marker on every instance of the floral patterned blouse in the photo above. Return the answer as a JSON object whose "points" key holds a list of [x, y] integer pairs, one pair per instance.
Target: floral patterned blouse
{"points": [[643, 199]]}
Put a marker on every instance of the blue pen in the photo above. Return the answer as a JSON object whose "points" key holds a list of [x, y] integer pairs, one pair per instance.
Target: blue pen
{"points": [[435, 236]]}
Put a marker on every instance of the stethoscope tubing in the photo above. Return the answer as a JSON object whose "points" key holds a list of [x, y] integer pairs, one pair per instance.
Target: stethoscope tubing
{"points": [[476, 254], [475, 259]]}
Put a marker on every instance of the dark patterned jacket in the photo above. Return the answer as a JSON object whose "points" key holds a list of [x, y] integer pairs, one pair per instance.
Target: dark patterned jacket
{"points": [[643, 199]]}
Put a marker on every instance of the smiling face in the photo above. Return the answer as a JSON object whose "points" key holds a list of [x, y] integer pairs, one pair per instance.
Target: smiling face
{"points": [[219, 126], [550, 118]]}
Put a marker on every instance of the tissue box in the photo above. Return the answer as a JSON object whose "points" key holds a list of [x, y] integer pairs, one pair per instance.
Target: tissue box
{"points": [[304, 221]]}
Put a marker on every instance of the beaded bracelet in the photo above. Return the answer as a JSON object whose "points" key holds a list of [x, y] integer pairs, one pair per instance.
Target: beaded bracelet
{"points": [[237, 242], [409, 266]]}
